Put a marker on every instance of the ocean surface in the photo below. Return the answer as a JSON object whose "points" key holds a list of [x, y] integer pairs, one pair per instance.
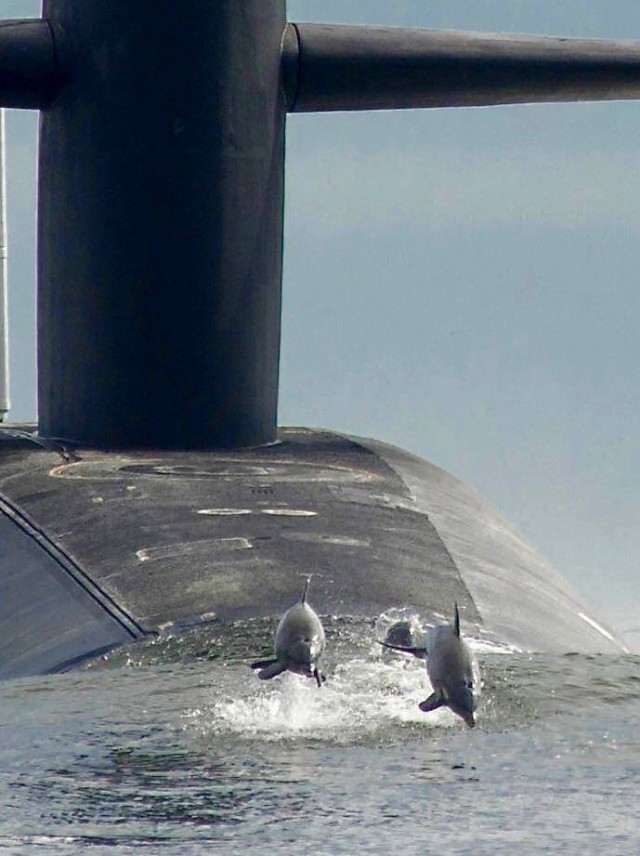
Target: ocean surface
{"points": [[175, 746]]}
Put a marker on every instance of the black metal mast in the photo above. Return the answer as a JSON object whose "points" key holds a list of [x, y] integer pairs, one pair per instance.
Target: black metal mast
{"points": [[160, 225], [161, 189]]}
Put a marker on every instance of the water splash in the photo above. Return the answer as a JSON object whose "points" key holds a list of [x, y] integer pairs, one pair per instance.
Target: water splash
{"points": [[363, 699], [370, 693]]}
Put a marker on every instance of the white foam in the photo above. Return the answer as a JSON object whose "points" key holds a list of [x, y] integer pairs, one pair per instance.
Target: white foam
{"points": [[486, 646], [359, 698]]}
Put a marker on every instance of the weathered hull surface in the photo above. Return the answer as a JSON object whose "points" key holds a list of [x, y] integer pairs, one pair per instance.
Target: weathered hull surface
{"points": [[99, 548]]}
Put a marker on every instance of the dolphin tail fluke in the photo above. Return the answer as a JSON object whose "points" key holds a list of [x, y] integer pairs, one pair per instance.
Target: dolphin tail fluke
{"points": [[420, 653], [270, 669], [434, 701], [456, 619]]}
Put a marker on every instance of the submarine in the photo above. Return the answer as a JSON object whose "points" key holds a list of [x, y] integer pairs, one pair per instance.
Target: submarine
{"points": [[156, 488]]}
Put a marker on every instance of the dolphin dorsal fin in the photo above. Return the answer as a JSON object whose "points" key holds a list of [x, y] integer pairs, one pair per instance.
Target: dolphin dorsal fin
{"points": [[303, 596], [456, 619]]}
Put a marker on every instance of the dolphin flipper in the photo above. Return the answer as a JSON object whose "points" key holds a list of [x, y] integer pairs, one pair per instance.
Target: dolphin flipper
{"points": [[271, 669], [434, 701], [420, 653], [261, 664]]}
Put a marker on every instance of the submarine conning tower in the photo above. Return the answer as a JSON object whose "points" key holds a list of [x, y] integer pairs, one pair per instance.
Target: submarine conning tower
{"points": [[156, 486]]}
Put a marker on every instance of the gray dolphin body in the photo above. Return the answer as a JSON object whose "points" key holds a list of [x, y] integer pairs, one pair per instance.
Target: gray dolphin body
{"points": [[299, 643], [450, 666]]}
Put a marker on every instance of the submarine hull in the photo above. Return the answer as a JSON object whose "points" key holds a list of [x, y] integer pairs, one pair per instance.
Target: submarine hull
{"points": [[102, 548]]}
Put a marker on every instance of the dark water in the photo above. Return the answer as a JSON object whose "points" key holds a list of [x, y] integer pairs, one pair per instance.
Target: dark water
{"points": [[176, 747]]}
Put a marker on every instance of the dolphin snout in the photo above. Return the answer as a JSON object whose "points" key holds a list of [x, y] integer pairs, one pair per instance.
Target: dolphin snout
{"points": [[463, 703], [468, 717]]}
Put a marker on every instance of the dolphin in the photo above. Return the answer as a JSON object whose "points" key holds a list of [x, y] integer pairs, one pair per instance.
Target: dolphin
{"points": [[299, 643], [450, 666]]}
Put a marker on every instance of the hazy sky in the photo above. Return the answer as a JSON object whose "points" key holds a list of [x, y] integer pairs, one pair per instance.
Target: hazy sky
{"points": [[461, 283]]}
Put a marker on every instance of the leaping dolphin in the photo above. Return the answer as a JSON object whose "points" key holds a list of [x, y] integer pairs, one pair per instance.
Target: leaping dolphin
{"points": [[299, 643], [450, 667]]}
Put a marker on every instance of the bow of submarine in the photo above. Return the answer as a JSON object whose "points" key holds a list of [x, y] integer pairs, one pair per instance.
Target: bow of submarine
{"points": [[101, 548]]}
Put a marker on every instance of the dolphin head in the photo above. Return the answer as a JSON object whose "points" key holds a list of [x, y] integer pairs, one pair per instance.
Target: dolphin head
{"points": [[460, 698], [305, 653], [300, 640]]}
